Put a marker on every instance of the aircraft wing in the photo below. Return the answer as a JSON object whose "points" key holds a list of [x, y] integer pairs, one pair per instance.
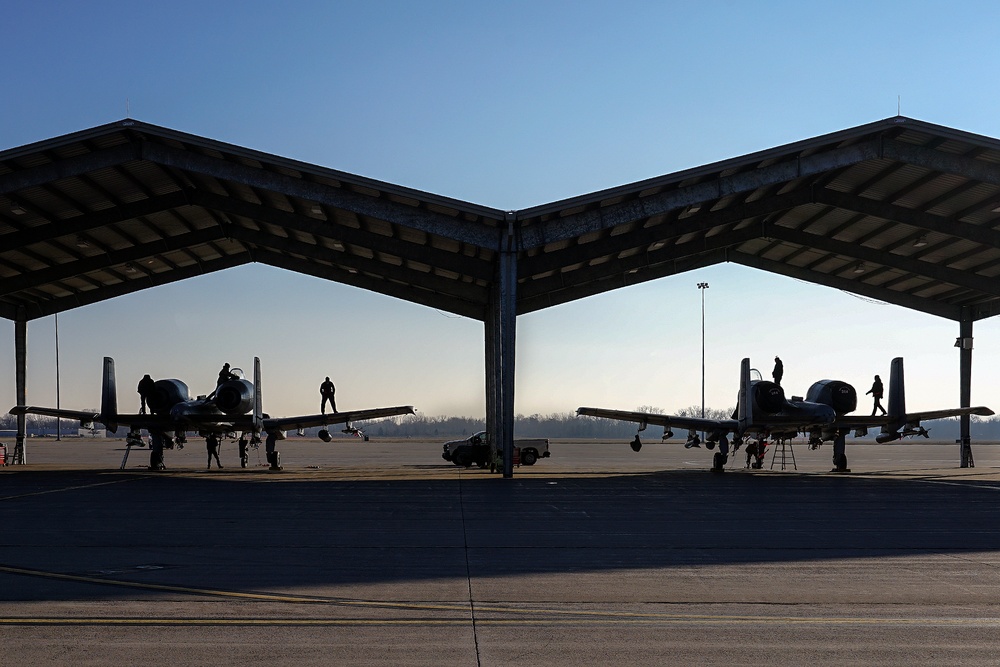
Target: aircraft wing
{"points": [[307, 421], [81, 416], [859, 421], [89, 417], [667, 421], [980, 410]]}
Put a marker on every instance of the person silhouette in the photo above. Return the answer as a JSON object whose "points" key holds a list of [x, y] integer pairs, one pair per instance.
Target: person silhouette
{"points": [[146, 387], [876, 392], [327, 391]]}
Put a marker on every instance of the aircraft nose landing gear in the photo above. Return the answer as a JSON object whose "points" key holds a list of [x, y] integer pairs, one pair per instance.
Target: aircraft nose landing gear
{"points": [[721, 457]]}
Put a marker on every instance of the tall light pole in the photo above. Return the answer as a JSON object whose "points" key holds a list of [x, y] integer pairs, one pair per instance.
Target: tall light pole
{"points": [[702, 287]]}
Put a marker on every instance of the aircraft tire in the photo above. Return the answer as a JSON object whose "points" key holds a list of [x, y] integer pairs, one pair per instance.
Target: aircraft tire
{"points": [[528, 457], [718, 462]]}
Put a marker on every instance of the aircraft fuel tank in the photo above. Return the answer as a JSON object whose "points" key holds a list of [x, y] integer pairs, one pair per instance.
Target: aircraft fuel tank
{"points": [[837, 394]]}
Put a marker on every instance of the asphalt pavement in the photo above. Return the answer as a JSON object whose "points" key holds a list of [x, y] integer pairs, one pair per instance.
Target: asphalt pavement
{"points": [[384, 554]]}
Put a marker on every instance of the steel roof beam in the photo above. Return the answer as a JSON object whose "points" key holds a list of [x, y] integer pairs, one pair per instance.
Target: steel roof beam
{"points": [[573, 292], [699, 222], [846, 285], [363, 281], [428, 255], [640, 263], [374, 207], [34, 279], [949, 163], [429, 281], [745, 181], [927, 221], [52, 306], [67, 168], [854, 251], [89, 221]]}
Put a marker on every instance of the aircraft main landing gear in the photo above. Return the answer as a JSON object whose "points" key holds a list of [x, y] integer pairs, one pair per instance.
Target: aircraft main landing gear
{"points": [[840, 453], [840, 464]]}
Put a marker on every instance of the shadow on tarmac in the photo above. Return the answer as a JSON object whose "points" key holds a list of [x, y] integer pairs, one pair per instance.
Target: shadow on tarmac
{"points": [[246, 532]]}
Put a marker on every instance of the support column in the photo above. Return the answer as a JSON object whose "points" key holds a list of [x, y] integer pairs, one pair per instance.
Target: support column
{"points": [[508, 339], [492, 354], [20, 383], [964, 343]]}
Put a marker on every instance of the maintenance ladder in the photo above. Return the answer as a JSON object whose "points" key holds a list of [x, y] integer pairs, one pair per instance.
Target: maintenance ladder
{"points": [[786, 457]]}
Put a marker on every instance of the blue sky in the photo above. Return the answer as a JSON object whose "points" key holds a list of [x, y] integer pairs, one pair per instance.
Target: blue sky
{"points": [[507, 105]]}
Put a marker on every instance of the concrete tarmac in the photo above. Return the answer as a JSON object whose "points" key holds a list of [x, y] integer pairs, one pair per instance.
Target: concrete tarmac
{"points": [[381, 553]]}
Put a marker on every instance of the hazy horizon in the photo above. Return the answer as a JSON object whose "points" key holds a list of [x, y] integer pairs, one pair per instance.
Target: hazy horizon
{"points": [[507, 106]]}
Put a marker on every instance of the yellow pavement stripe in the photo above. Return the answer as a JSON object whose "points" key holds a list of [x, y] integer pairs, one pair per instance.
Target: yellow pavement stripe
{"points": [[480, 609], [263, 597], [678, 619]]}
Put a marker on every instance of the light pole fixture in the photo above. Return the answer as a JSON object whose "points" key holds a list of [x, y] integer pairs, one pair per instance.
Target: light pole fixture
{"points": [[702, 287]]}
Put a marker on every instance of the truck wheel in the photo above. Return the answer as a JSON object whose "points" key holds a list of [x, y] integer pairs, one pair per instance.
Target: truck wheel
{"points": [[461, 458], [528, 457]]}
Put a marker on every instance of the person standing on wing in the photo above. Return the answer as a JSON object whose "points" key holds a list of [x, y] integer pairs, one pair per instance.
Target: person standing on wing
{"points": [[876, 392], [327, 391]]}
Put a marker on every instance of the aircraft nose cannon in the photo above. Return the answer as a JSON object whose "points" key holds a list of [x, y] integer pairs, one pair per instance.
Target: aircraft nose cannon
{"points": [[324, 435]]}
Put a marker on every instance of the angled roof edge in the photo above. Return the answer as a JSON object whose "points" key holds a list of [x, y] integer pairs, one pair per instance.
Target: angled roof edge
{"points": [[129, 124], [759, 156]]}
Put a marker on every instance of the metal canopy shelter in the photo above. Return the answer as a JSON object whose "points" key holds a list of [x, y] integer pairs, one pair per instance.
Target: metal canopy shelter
{"points": [[899, 210]]}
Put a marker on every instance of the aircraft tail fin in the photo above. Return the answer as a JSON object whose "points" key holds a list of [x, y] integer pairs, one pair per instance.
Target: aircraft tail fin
{"points": [[258, 411], [897, 393], [745, 408], [109, 396]]}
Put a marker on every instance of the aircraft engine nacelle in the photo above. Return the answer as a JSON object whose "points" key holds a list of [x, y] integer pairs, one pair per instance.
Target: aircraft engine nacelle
{"points": [[165, 395], [324, 435], [838, 395], [768, 398], [234, 397]]}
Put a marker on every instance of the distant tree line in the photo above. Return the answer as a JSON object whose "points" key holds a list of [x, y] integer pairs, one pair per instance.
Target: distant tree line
{"points": [[556, 425]]}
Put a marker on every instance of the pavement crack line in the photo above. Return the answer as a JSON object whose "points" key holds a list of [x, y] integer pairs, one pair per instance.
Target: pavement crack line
{"points": [[69, 488], [468, 568]]}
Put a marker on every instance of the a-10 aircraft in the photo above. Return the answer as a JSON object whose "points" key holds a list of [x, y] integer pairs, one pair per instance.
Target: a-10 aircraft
{"points": [[763, 412], [232, 409]]}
